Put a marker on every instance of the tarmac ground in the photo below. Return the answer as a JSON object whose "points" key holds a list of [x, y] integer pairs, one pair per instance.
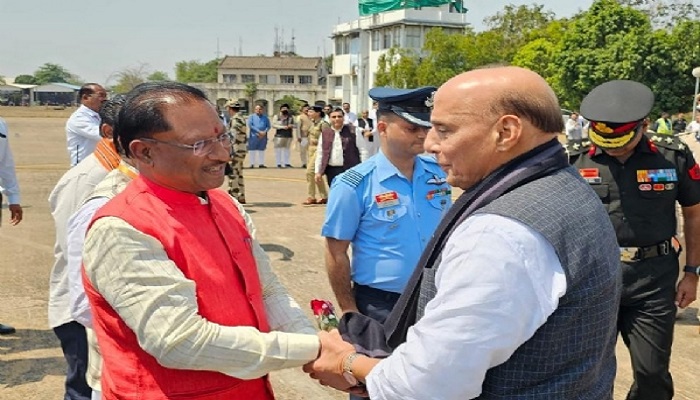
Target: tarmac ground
{"points": [[31, 362]]}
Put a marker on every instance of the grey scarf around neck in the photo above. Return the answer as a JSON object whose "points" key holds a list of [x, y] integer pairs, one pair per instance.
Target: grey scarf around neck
{"points": [[376, 340]]}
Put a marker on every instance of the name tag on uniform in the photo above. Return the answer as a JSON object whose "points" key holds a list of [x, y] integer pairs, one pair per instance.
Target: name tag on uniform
{"points": [[438, 193], [591, 175], [656, 175], [387, 199]]}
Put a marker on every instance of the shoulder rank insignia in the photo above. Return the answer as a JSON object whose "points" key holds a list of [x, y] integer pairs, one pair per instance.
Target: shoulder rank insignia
{"points": [[668, 142], [352, 178], [576, 147]]}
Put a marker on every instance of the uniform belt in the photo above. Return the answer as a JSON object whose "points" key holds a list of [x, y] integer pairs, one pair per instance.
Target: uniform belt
{"points": [[633, 254]]}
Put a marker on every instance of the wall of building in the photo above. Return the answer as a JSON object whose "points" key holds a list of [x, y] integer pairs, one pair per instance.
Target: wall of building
{"points": [[359, 44]]}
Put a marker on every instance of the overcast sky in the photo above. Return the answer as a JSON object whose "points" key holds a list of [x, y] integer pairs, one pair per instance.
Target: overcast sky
{"points": [[94, 39]]}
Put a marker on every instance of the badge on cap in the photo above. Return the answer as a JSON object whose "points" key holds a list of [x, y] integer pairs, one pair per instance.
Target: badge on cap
{"points": [[387, 199], [430, 100]]}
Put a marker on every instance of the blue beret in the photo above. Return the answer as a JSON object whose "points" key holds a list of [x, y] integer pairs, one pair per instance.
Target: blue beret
{"points": [[413, 105]]}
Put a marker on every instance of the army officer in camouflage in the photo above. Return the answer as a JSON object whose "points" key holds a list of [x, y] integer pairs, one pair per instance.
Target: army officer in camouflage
{"points": [[639, 178], [239, 149]]}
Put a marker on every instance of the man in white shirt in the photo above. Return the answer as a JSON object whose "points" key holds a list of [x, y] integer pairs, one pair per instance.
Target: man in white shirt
{"points": [[83, 126], [516, 295], [574, 127], [65, 199], [694, 127], [350, 117], [196, 315], [9, 188], [367, 132], [341, 151]]}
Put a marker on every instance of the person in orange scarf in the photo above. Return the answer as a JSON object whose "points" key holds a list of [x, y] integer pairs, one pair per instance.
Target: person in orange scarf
{"points": [[180, 307], [65, 199]]}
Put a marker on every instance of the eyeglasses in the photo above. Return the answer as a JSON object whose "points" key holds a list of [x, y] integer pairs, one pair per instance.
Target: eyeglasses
{"points": [[200, 148]]}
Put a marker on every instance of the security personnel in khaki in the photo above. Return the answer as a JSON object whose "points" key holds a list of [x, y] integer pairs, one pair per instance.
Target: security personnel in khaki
{"points": [[639, 178], [314, 133], [239, 149]]}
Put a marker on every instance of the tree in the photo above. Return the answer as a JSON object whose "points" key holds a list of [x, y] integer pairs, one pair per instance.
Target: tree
{"points": [[515, 25], [2, 80], [397, 68], [328, 63], [607, 42], [251, 89], [195, 72], [157, 76], [665, 14], [49, 73], [668, 66], [540, 54], [128, 78], [25, 79], [294, 103]]}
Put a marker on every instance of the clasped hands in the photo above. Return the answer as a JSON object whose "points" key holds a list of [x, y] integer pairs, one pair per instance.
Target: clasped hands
{"points": [[328, 367]]}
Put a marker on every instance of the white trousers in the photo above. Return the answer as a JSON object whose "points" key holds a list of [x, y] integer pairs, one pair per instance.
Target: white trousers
{"points": [[282, 156], [257, 157]]}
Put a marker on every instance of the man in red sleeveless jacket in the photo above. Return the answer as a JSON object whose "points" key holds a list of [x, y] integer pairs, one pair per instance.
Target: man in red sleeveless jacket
{"points": [[180, 308]]}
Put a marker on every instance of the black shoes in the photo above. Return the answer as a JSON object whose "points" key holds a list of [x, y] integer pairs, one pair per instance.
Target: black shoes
{"points": [[288, 166], [6, 329], [261, 166]]}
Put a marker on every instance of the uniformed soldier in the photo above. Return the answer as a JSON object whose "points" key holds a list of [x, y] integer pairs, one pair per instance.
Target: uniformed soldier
{"points": [[239, 149], [639, 178], [387, 207], [313, 134]]}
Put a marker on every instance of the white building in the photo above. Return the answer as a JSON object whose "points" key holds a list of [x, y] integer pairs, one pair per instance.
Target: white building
{"points": [[360, 43]]}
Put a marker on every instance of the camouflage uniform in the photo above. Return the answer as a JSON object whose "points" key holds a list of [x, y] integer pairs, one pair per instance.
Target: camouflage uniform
{"points": [[314, 134], [239, 142]]}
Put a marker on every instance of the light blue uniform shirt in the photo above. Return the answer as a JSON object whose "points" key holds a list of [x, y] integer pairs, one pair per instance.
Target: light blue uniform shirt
{"points": [[388, 219]]}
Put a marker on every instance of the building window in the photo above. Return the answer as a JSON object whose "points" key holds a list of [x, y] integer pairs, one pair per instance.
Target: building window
{"points": [[306, 79], [230, 78], [396, 37], [268, 79], [247, 78], [338, 45], [413, 37], [386, 36], [286, 78], [346, 45], [338, 81], [376, 40]]}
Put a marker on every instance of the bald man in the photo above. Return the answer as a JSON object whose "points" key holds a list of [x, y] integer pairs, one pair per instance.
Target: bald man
{"points": [[516, 295]]}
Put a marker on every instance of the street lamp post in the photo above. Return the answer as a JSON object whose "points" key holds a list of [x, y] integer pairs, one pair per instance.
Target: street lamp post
{"points": [[696, 74]]}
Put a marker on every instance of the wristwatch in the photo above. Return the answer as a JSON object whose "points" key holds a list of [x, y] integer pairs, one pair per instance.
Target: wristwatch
{"points": [[347, 369], [692, 269]]}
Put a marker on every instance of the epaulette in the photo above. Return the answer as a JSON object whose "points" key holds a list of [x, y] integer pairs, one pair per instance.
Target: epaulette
{"points": [[576, 147], [667, 142], [354, 176]]}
